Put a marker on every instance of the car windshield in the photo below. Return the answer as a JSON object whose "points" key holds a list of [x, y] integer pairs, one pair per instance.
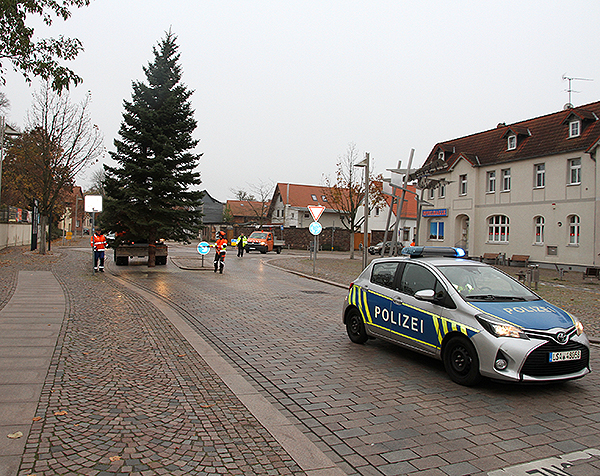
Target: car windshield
{"points": [[485, 283], [258, 235]]}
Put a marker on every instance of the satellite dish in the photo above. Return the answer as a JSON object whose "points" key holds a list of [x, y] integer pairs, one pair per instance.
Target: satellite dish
{"points": [[568, 106]]}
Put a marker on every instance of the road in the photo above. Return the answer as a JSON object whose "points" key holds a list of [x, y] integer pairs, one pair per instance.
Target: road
{"points": [[374, 409]]}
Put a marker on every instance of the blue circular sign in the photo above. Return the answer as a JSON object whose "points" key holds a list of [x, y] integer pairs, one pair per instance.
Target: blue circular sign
{"points": [[315, 228], [203, 248]]}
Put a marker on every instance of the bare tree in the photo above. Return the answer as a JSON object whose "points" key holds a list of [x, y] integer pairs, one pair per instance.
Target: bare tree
{"points": [[346, 193], [59, 141], [242, 195], [97, 179], [258, 198]]}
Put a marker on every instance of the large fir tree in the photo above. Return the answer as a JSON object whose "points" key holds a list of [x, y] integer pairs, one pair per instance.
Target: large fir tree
{"points": [[148, 195]]}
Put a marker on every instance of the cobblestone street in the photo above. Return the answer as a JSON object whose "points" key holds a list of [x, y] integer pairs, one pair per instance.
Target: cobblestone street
{"points": [[129, 392]]}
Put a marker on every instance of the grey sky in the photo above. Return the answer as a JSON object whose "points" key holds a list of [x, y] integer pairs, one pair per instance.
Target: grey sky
{"points": [[282, 87]]}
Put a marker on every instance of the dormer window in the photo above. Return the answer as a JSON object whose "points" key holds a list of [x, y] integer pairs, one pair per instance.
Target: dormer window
{"points": [[441, 155], [574, 128], [512, 142], [314, 197]]}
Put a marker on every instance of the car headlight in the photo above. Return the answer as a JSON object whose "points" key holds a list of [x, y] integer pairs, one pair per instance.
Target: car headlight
{"points": [[500, 329], [579, 327]]}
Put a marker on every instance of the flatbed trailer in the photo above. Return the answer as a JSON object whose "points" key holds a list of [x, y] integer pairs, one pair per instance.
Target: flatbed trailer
{"points": [[139, 250]]}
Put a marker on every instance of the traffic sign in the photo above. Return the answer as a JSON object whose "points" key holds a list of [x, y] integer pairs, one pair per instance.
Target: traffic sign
{"points": [[315, 228], [203, 248], [316, 211]]}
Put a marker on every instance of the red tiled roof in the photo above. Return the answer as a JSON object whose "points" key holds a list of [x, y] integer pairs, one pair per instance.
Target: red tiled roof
{"points": [[538, 137], [409, 209], [302, 195], [246, 208]]}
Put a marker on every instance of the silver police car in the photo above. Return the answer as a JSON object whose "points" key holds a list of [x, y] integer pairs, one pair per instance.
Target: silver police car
{"points": [[478, 320]]}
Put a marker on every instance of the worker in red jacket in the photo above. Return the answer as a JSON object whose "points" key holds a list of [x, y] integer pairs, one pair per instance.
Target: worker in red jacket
{"points": [[220, 251], [98, 242]]}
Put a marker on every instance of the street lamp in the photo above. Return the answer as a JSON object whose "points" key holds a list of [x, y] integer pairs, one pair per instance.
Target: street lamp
{"points": [[5, 131], [365, 164]]}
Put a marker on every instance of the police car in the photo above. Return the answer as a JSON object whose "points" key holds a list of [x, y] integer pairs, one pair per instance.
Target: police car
{"points": [[478, 320]]}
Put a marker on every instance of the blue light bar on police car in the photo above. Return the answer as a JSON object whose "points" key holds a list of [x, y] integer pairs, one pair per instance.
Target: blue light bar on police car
{"points": [[423, 251]]}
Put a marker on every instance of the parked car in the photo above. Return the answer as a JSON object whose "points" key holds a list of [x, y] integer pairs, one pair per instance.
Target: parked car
{"points": [[378, 248], [478, 320]]}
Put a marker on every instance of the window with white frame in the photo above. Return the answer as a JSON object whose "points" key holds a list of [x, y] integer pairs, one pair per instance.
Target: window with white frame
{"points": [[436, 230], [574, 171], [506, 180], [498, 227], [441, 155], [574, 128], [540, 175], [462, 185], [574, 230], [442, 191], [431, 193], [539, 230], [491, 181], [512, 142]]}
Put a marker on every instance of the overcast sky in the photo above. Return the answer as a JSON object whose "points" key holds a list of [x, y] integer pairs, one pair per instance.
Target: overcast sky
{"points": [[282, 87]]}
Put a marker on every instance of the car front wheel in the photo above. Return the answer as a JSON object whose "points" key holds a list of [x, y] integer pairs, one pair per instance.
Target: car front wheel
{"points": [[461, 361], [356, 327]]}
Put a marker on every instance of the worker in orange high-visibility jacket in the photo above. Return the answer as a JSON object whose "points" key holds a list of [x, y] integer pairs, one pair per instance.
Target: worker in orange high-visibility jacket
{"points": [[98, 242], [220, 251]]}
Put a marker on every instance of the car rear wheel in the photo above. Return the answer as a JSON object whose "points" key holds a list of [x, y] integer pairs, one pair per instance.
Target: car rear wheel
{"points": [[461, 361], [356, 327]]}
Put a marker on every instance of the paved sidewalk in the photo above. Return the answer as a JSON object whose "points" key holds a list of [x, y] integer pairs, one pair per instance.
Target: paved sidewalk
{"points": [[103, 378], [29, 327]]}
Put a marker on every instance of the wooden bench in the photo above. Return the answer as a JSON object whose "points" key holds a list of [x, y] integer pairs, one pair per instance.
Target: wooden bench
{"points": [[490, 257], [592, 273], [522, 260]]}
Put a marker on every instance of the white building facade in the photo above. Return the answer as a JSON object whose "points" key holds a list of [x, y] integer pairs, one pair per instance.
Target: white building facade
{"points": [[529, 188]]}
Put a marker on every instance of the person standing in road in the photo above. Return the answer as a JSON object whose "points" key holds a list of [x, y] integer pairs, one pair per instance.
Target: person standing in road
{"points": [[241, 245], [98, 242], [220, 251]]}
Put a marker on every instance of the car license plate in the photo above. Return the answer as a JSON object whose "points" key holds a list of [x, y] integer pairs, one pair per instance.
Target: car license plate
{"points": [[566, 355]]}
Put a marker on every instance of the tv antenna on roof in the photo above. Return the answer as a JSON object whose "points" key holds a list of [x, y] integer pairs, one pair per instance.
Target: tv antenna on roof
{"points": [[570, 90]]}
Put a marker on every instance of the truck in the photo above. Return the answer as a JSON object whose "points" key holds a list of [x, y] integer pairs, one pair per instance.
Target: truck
{"points": [[124, 251], [264, 241]]}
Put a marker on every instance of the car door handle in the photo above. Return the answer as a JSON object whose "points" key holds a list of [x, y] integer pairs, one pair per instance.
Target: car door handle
{"points": [[398, 300]]}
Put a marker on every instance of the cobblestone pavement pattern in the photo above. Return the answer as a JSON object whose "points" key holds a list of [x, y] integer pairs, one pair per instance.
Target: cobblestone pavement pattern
{"points": [[374, 409], [127, 395]]}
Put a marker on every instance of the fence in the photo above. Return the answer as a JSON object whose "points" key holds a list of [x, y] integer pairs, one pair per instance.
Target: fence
{"points": [[15, 226]]}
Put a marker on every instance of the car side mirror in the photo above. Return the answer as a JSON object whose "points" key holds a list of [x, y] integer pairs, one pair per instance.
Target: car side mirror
{"points": [[426, 295]]}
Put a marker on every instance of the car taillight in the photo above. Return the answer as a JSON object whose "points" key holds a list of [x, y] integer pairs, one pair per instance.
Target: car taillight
{"points": [[350, 287]]}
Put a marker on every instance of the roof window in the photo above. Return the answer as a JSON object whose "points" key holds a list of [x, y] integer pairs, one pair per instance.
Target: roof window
{"points": [[574, 128], [314, 197], [512, 142]]}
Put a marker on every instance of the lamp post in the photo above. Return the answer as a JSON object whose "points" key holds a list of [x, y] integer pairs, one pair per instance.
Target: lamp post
{"points": [[365, 164]]}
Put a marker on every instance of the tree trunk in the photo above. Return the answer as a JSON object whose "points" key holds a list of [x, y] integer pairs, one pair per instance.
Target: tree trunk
{"points": [[151, 254], [42, 229], [352, 245]]}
